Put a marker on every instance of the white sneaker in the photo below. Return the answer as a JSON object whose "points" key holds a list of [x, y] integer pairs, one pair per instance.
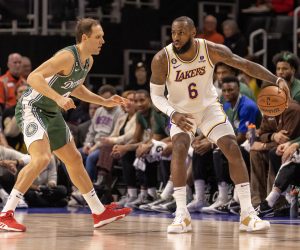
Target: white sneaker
{"points": [[182, 222], [251, 222], [196, 205], [212, 208]]}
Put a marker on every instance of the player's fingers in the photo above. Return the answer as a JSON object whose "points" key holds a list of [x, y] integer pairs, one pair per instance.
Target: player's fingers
{"points": [[189, 122], [189, 116]]}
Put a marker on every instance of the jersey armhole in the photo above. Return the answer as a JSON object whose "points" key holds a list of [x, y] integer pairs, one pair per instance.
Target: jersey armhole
{"points": [[207, 54]]}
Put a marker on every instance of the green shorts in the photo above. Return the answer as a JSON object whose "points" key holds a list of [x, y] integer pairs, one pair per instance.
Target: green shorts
{"points": [[35, 122]]}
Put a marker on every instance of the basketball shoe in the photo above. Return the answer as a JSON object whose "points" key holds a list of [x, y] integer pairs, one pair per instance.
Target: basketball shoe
{"points": [[110, 214], [212, 209], [182, 222], [196, 205], [8, 222], [250, 222]]}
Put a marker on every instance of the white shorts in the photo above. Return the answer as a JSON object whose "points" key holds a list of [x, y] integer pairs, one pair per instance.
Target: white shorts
{"points": [[212, 122]]}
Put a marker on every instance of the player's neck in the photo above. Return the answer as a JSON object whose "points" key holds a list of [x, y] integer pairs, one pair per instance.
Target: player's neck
{"points": [[83, 54]]}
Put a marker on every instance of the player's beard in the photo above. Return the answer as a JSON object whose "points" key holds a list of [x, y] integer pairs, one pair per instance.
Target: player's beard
{"points": [[184, 48]]}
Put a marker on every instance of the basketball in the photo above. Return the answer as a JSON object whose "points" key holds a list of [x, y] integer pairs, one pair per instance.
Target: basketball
{"points": [[272, 101]]}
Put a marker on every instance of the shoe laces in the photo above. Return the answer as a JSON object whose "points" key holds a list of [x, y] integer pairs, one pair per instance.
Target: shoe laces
{"points": [[179, 217], [8, 214], [254, 215]]}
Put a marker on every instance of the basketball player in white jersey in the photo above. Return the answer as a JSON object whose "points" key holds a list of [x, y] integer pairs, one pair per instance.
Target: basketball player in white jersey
{"points": [[186, 67]]}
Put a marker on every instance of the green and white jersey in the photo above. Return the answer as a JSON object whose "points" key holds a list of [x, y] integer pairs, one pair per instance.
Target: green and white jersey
{"points": [[63, 85]]}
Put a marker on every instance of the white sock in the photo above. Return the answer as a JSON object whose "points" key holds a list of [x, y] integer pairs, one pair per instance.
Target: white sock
{"points": [[13, 200], [169, 188], [199, 190], [272, 198], [243, 192], [152, 192], [3, 193], [223, 191], [180, 197], [132, 192], [144, 192], [93, 201]]}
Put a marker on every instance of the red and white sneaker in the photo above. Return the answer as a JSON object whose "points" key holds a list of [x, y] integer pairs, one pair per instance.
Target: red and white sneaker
{"points": [[8, 222], [110, 214]]}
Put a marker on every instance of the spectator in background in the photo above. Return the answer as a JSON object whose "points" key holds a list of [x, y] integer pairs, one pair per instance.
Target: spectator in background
{"points": [[253, 83], [287, 65], [141, 78], [210, 30], [271, 6], [26, 67], [11, 130], [10, 80], [44, 192], [223, 70], [234, 39]]}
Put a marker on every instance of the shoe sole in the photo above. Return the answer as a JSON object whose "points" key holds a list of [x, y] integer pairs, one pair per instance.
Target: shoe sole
{"points": [[10, 229], [184, 230], [244, 228], [105, 222]]}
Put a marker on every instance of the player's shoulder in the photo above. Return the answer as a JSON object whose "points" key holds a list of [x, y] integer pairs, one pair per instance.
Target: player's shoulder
{"points": [[64, 54]]}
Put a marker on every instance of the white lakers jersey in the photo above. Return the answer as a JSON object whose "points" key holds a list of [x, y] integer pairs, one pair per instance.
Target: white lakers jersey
{"points": [[190, 83]]}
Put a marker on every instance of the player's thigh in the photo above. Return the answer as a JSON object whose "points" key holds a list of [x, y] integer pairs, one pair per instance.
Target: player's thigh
{"points": [[214, 123]]}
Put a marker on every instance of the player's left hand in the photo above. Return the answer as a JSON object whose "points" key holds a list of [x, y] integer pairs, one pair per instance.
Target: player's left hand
{"points": [[116, 100], [183, 121], [282, 84]]}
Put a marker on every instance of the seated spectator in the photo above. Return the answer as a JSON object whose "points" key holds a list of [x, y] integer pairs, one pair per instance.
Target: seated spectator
{"points": [[141, 78], [222, 70], [44, 192], [209, 31], [10, 80], [234, 39], [273, 131], [11, 161], [287, 65], [26, 67], [288, 174], [11, 130]]}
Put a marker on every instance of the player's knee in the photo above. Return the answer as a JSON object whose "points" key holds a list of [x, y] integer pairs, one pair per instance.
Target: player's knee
{"points": [[76, 158], [180, 147], [41, 161]]}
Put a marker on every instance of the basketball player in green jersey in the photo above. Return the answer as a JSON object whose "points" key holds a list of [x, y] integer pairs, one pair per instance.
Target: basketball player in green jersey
{"points": [[186, 67], [45, 131]]}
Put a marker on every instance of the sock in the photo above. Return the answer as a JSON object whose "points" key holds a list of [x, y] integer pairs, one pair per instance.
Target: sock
{"points": [[13, 200], [93, 201], [3, 193], [199, 190], [180, 197], [223, 191], [132, 192], [235, 196], [272, 198], [243, 192], [169, 188], [152, 192], [144, 192]]}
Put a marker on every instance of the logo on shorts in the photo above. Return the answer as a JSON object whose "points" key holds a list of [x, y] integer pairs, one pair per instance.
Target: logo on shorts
{"points": [[31, 129]]}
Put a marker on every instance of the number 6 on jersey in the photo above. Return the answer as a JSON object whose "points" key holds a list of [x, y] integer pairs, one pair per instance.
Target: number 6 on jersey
{"points": [[193, 93]]}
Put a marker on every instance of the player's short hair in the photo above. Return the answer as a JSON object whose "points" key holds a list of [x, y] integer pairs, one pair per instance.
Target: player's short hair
{"points": [[186, 19], [289, 57], [107, 88], [84, 26], [228, 79]]}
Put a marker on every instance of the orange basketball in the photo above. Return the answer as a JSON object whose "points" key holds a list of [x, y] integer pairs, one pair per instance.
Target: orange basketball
{"points": [[272, 101]]}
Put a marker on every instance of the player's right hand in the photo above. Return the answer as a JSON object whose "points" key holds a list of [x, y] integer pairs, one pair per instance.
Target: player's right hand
{"points": [[65, 103], [183, 121]]}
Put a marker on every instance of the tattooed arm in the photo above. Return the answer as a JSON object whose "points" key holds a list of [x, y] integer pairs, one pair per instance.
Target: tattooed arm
{"points": [[220, 53]]}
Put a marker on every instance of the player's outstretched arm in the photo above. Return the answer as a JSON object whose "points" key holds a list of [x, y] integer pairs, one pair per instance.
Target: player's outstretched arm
{"points": [[220, 53], [84, 94]]}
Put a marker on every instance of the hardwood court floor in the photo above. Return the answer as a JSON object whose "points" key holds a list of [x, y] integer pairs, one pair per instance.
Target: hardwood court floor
{"points": [[140, 231]]}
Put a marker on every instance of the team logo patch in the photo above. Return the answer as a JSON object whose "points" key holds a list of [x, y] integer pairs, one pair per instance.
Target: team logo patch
{"points": [[31, 129], [173, 61]]}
